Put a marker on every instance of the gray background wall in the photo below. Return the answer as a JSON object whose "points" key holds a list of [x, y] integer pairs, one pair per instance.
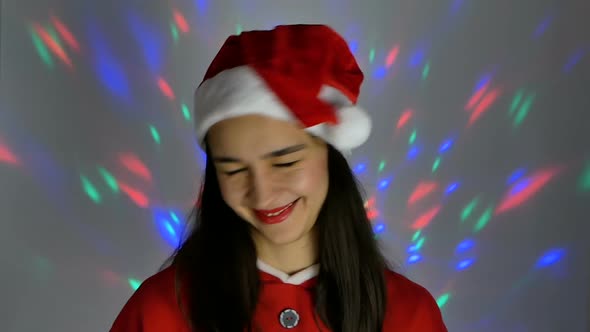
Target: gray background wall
{"points": [[98, 165]]}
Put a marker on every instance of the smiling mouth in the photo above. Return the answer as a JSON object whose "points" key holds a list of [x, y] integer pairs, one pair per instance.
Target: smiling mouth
{"points": [[277, 215]]}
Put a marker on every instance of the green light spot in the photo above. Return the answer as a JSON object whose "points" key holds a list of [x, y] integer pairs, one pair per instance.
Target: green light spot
{"points": [[426, 70], [420, 243], [134, 283], [468, 209], [186, 112], [416, 235], [382, 165], [584, 183], [42, 50], [238, 29], [436, 165], [90, 189], [443, 299], [170, 229], [412, 137], [42, 264], [516, 101], [524, 110], [155, 134], [109, 179], [372, 55], [174, 32], [483, 220], [174, 217]]}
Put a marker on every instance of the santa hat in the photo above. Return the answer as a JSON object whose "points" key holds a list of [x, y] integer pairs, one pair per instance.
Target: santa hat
{"points": [[298, 73]]}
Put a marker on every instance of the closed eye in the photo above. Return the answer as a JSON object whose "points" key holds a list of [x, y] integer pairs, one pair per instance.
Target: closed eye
{"points": [[235, 172], [282, 165], [286, 164]]}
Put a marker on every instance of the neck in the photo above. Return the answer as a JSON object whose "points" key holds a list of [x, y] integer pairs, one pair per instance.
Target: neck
{"points": [[289, 258]]}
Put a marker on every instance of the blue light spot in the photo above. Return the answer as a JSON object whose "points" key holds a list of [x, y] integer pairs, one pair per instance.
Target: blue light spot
{"points": [[414, 259], [550, 257], [108, 69], [573, 60], [465, 245], [353, 45], [360, 168], [379, 228], [520, 186], [412, 248], [383, 184], [167, 229], [202, 155], [517, 174], [464, 264], [149, 40], [446, 146], [202, 6], [483, 81], [417, 58], [541, 28], [413, 153], [452, 187], [380, 73], [456, 6]]}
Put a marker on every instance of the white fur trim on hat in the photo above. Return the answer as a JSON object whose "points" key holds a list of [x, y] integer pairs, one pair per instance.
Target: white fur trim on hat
{"points": [[240, 91]]}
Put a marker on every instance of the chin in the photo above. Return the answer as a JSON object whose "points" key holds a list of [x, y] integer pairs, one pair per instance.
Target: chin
{"points": [[283, 239], [283, 234]]}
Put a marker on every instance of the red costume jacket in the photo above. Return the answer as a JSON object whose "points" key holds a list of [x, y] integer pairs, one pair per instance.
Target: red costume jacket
{"points": [[285, 301]]}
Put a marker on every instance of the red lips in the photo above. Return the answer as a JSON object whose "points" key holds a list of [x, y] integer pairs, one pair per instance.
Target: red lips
{"points": [[275, 216]]}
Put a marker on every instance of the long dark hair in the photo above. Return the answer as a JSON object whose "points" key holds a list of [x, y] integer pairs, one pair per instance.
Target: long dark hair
{"points": [[218, 261]]}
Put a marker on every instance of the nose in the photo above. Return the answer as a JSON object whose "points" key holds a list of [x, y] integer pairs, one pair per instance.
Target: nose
{"points": [[261, 189]]}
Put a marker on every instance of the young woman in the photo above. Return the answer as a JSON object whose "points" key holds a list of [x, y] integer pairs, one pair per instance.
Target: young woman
{"points": [[281, 239]]}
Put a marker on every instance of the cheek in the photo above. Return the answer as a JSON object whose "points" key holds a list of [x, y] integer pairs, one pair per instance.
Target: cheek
{"points": [[312, 181], [230, 192]]}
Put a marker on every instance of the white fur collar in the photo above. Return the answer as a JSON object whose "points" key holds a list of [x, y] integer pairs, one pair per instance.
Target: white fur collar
{"points": [[295, 279]]}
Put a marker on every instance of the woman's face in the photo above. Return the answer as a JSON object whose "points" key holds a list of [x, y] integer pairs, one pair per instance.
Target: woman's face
{"points": [[272, 174]]}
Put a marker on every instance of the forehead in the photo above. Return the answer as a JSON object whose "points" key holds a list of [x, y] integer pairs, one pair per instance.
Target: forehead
{"points": [[253, 134]]}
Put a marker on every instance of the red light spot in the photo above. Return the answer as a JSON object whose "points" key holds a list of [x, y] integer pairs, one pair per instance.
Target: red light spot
{"points": [[487, 101], [53, 45], [165, 88], [476, 97], [370, 209], [392, 56], [372, 214], [422, 190], [181, 21], [7, 156], [136, 166], [65, 33], [425, 219], [404, 118], [138, 197], [370, 202], [534, 183]]}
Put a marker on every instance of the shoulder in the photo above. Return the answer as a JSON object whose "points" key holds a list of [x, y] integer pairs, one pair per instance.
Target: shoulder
{"points": [[403, 287], [411, 305], [153, 306]]}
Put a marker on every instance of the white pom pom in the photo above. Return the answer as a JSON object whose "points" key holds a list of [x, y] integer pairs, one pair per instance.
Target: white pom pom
{"points": [[352, 131]]}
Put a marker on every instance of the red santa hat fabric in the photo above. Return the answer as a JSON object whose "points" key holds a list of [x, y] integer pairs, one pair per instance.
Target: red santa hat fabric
{"points": [[299, 73]]}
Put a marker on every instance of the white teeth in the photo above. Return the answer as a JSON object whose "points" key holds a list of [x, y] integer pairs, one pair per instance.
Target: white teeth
{"points": [[279, 212]]}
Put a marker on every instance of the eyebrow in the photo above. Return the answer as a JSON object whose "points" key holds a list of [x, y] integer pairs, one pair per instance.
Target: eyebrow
{"points": [[273, 154]]}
